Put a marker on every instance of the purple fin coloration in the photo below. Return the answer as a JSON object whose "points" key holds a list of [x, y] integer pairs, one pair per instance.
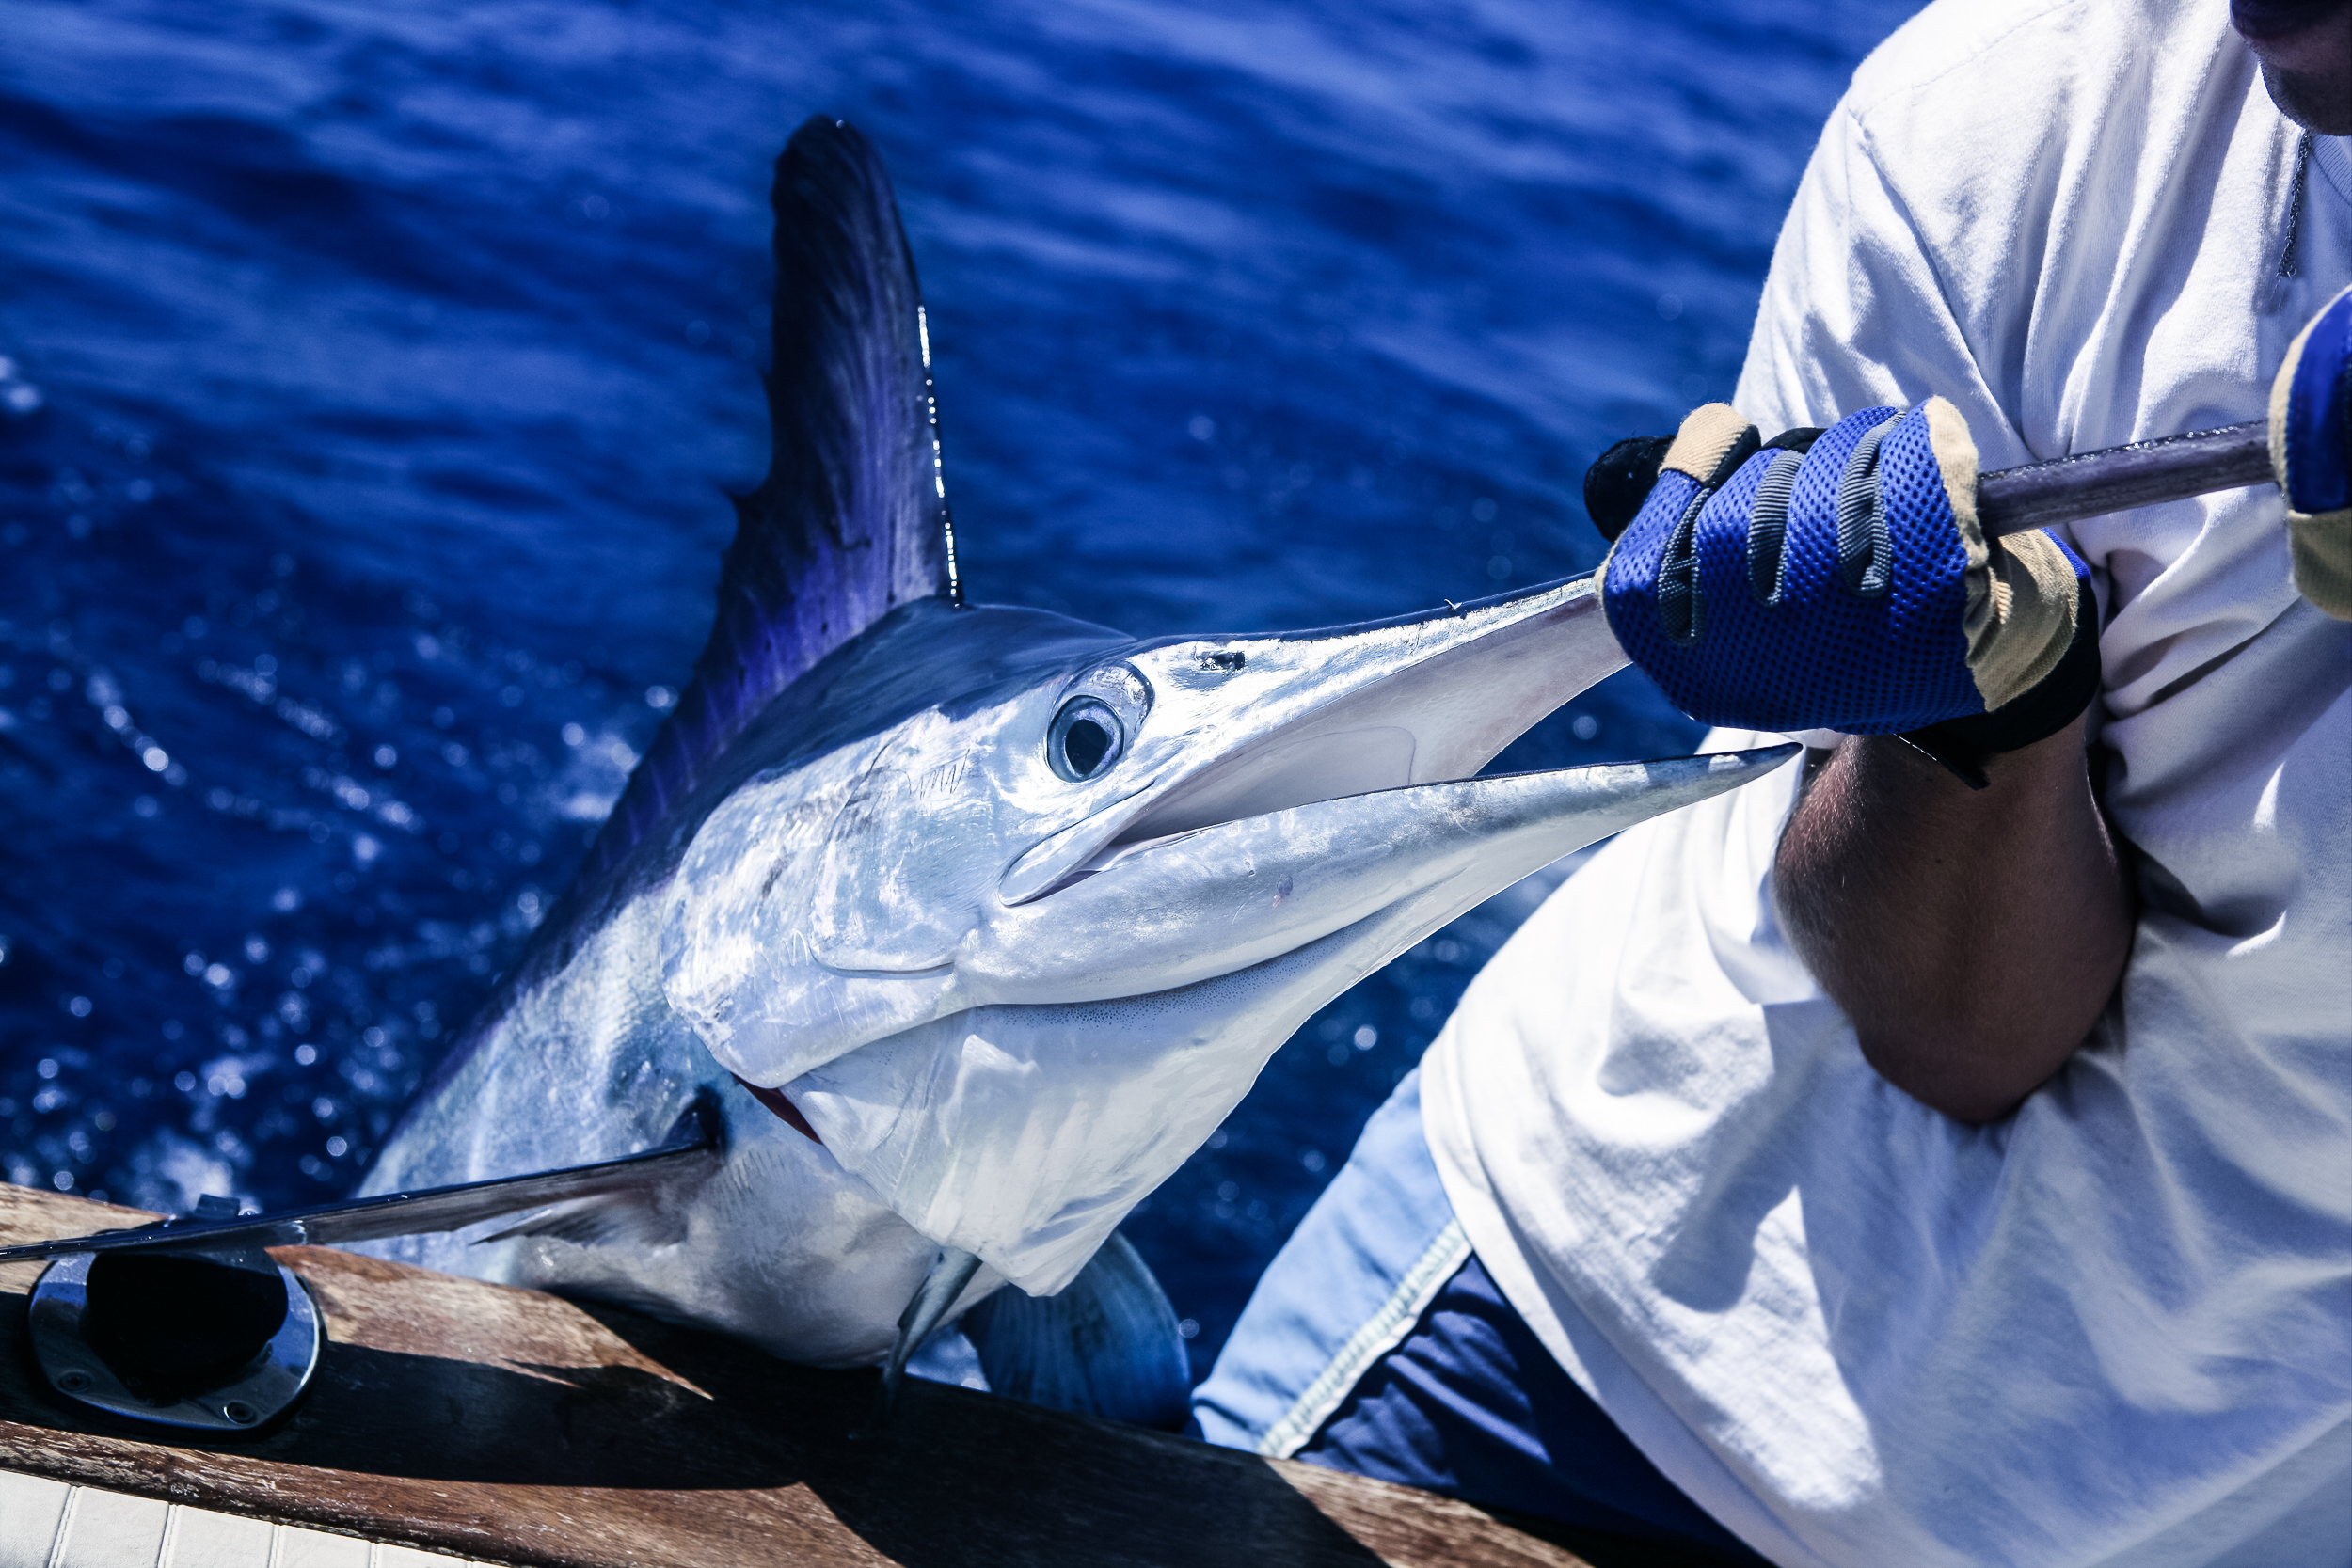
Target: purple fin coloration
{"points": [[851, 519]]}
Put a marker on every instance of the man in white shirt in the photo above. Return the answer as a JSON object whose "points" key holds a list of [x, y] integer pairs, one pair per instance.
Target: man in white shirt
{"points": [[1868, 1168]]}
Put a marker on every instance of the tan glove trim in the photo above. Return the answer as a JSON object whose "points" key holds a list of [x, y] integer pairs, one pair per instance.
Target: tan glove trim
{"points": [[1709, 432], [2319, 543], [2035, 603], [2021, 600]]}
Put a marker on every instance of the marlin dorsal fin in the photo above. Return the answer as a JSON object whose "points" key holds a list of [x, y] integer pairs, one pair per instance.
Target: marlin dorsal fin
{"points": [[851, 519]]}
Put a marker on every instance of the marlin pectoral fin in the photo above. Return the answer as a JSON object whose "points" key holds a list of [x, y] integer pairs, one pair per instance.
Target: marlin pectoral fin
{"points": [[613, 1219], [951, 1271], [1106, 1344], [687, 1155]]}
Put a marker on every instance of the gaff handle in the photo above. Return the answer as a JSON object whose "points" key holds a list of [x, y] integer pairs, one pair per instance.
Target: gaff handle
{"points": [[2116, 479]]}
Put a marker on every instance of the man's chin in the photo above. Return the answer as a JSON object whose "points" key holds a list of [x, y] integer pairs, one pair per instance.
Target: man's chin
{"points": [[2317, 100]]}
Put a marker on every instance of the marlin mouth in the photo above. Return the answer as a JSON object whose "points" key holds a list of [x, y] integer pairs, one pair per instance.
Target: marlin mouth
{"points": [[1123, 849]]}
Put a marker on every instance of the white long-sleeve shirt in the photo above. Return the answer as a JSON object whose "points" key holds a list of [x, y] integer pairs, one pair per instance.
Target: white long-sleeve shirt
{"points": [[2117, 1326]]}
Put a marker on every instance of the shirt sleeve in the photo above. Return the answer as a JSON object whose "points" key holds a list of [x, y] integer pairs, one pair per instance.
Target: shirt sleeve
{"points": [[1856, 309]]}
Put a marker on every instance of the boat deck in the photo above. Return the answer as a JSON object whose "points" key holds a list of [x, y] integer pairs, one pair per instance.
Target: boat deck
{"points": [[509, 1426]]}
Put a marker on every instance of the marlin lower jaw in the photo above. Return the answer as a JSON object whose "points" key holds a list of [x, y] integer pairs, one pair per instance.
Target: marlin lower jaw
{"points": [[1213, 900]]}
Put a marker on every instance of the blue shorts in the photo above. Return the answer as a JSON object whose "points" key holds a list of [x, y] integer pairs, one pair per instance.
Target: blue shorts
{"points": [[1376, 1343]]}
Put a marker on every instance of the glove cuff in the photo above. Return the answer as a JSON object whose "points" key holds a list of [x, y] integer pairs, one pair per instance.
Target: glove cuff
{"points": [[2320, 543], [1964, 745]]}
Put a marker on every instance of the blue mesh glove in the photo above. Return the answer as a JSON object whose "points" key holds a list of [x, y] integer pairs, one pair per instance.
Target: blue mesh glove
{"points": [[2310, 451], [1837, 579]]}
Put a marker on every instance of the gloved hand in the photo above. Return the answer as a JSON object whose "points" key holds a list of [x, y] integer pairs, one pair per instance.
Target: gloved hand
{"points": [[2310, 451], [1837, 579]]}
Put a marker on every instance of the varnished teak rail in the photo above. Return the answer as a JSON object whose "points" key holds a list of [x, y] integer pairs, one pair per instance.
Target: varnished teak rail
{"points": [[510, 1425]]}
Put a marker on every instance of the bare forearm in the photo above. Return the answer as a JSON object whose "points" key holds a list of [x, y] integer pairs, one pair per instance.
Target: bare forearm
{"points": [[1973, 936]]}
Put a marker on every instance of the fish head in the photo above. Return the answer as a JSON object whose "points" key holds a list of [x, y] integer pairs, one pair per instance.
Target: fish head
{"points": [[969, 769], [1132, 853], [824, 897]]}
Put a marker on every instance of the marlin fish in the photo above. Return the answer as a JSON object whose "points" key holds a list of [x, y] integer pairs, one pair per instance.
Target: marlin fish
{"points": [[969, 923]]}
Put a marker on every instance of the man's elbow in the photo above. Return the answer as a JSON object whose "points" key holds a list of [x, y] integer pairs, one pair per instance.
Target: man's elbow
{"points": [[1977, 1063], [1967, 1076]]}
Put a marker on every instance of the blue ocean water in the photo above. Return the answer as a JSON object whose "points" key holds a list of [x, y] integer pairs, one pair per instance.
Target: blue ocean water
{"points": [[375, 377]]}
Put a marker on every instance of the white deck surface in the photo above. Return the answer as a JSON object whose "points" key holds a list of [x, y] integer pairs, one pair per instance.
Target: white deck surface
{"points": [[50, 1524]]}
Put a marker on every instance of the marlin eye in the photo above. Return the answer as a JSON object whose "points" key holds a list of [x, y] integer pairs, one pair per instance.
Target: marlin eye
{"points": [[1086, 740]]}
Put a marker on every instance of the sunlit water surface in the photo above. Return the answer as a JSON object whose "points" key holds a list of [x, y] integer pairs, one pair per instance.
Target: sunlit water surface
{"points": [[376, 374]]}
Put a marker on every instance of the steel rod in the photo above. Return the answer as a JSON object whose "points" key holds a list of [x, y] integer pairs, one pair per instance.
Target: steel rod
{"points": [[2068, 489]]}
